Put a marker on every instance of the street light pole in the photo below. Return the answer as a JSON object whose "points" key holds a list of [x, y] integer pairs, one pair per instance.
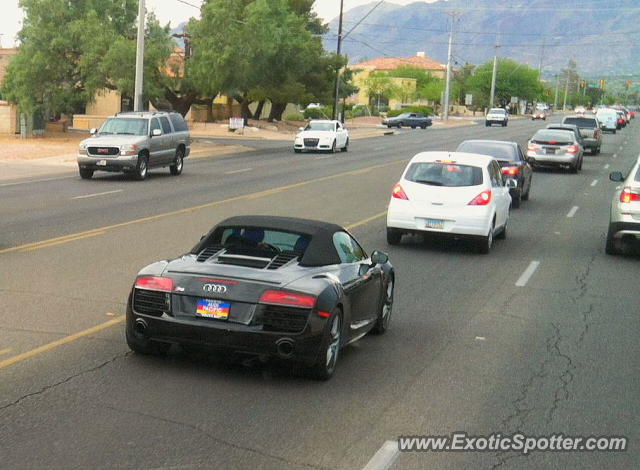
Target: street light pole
{"points": [[566, 92], [139, 93], [336, 97], [447, 88], [555, 100], [493, 76]]}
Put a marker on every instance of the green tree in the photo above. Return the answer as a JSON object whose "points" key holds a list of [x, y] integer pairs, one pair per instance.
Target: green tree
{"points": [[380, 87]]}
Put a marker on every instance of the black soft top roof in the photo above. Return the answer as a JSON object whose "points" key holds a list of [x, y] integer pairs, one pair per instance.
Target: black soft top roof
{"points": [[321, 250]]}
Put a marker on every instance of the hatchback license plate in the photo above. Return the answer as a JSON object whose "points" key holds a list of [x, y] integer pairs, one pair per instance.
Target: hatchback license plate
{"points": [[213, 309], [551, 151], [434, 223]]}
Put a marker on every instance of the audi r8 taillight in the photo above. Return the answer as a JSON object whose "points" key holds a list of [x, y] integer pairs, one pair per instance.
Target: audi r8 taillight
{"points": [[289, 299], [163, 284]]}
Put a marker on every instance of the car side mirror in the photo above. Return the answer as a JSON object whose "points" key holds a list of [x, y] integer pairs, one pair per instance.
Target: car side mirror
{"points": [[616, 176], [93, 131], [379, 257], [511, 183], [156, 133]]}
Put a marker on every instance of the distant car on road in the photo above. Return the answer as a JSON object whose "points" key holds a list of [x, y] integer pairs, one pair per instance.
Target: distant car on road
{"points": [[512, 162], [411, 120], [589, 129], [451, 194], [497, 116], [624, 221], [324, 135], [580, 110], [295, 289], [608, 119], [555, 148], [136, 142], [539, 114]]}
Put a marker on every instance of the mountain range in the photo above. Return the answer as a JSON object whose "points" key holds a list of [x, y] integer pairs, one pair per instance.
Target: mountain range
{"points": [[600, 35]]}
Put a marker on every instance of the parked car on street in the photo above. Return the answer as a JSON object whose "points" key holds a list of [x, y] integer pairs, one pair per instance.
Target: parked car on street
{"points": [[589, 129], [324, 135], [512, 162], [451, 194], [294, 289], [135, 143], [624, 220], [497, 116], [411, 120], [555, 148]]}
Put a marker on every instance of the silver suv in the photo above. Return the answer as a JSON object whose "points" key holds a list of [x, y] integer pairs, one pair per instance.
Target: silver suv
{"points": [[135, 143], [624, 222]]}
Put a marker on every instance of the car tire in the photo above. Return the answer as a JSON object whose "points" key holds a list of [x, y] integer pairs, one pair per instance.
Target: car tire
{"points": [[424, 126], [413, 127], [385, 309], [484, 244], [394, 236], [325, 365], [613, 131], [389, 126], [142, 167], [144, 346], [525, 196], [86, 174], [346, 146], [504, 124], [333, 147], [176, 168], [610, 247], [503, 233], [515, 202], [486, 124], [573, 169]]}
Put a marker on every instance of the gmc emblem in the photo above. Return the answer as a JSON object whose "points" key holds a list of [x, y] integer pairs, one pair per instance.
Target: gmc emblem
{"points": [[103, 150]]}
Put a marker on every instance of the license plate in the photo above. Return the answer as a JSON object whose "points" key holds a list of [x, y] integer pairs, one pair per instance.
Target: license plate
{"points": [[101, 163], [552, 151], [434, 223], [213, 309]]}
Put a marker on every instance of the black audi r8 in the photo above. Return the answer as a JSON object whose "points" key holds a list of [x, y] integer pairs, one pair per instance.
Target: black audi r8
{"points": [[269, 286]]}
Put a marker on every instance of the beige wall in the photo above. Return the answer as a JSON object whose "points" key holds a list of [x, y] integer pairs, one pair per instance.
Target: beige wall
{"points": [[8, 118], [105, 103]]}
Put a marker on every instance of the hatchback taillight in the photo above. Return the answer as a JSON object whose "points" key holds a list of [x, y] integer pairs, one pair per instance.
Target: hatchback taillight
{"points": [[482, 199], [628, 195], [399, 193]]}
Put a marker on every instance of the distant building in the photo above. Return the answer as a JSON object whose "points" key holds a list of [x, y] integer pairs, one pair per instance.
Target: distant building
{"points": [[387, 64]]}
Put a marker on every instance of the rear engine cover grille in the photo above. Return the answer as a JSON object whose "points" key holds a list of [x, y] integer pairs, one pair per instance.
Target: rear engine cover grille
{"points": [[104, 151], [150, 302], [281, 260], [311, 142], [208, 252], [284, 319]]}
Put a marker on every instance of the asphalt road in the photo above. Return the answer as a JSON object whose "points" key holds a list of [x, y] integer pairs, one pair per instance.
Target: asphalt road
{"points": [[468, 349]]}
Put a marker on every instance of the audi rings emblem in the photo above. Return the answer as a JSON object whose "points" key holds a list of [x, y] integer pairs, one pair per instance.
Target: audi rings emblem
{"points": [[215, 288]]}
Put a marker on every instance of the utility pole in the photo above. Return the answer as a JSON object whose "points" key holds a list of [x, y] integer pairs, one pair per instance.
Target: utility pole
{"points": [[544, 44], [337, 87], [555, 100], [495, 72], [139, 93], [566, 91], [447, 88]]}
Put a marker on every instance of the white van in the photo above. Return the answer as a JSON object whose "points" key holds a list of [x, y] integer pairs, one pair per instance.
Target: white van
{"points": [[608, 119]]}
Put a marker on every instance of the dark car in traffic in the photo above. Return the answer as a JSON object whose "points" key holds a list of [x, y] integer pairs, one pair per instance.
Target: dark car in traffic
{"points": [[590, 131], [412, 120], [513, 163], [283, 287]]}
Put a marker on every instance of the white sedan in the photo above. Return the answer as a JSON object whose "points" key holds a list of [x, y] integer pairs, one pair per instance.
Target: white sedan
{"points": [[322, 135], [451, 193]]}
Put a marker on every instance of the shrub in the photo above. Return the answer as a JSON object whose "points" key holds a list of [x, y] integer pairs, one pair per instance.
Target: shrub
{"points": [[426, 110], [317, 113], [294, 117]]}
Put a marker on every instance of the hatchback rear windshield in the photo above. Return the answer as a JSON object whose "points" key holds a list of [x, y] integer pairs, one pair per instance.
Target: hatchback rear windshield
{"points": [[444, 174], [494, 149], [125, 126], [582, 122], [560, 137]]}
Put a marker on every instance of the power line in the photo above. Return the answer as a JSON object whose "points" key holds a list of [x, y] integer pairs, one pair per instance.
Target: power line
{"points": [[190, 4]]}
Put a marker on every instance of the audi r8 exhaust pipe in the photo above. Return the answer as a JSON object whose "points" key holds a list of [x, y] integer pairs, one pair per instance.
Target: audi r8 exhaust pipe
{"points": [[285, 347]]}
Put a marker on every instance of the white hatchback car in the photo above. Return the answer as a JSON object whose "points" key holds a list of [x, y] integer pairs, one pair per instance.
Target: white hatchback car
{"points": [[324, 135], [458, 194]]}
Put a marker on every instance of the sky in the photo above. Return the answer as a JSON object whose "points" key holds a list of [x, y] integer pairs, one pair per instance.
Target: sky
{"points": [[167, 11]]}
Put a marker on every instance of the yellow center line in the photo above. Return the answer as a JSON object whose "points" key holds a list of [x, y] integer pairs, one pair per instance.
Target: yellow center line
{"points": [[81, 334], [259, 194], [5, 351], [54, 344]]}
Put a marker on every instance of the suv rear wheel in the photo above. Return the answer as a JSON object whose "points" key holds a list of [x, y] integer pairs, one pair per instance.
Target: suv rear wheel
{"points": [[176, 168]]}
